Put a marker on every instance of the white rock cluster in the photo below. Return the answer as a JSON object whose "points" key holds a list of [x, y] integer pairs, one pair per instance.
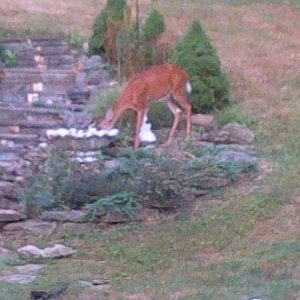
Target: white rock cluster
{"points": [[81, 133]]}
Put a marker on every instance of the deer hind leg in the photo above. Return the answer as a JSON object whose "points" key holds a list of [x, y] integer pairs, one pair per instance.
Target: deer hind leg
{"points": [[139, 121], [177, 112], [183, 102]]}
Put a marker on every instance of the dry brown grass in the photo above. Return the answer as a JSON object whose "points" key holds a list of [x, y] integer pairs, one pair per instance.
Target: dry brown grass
{"points": [[258, 45]]}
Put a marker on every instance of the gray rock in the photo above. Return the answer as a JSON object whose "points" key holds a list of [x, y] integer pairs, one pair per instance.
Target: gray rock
{"points": [[32, 226], [18, 278], [30, 269], [237, 156], [76, 216], [208, 122], [216, 136], [94, 62], [112, 164], [9, 215], [94, 287], [8, 156], [57, 251], [8, 254], [7, 189], [239, 133], [9, 204]]}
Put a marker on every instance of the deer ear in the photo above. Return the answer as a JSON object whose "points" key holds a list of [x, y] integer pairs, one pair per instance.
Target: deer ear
{"points": [[109, 114]]}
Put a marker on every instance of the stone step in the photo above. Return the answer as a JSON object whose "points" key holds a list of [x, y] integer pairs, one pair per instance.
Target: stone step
{"points": [[13, 115], [30, 75], [19, 138], [49, 49]]}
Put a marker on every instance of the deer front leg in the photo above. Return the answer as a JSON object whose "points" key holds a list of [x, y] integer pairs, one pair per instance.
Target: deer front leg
{"points": [[139, 121]]}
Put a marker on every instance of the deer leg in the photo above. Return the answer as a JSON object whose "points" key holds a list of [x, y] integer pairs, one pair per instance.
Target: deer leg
{"points": [[139, 121], [177, 116], [184, 103]]}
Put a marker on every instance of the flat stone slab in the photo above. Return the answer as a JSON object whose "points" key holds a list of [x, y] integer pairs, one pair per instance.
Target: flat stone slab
{"points": [[76, 216], [30, 269], [35, 227], [237, 156], [18, 278], [9, 215]]}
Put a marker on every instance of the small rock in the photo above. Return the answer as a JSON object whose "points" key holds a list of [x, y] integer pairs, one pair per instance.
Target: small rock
{"points": [[30, 251], [93, 286], [9, 204], [30, 269], [216, 136], [8, 156], [237, 156], [239, 133], [76, 216], [100, 281], [9, 215], [7, 189], [57, 251], [208, 122], [18, 278], [112, 164]]}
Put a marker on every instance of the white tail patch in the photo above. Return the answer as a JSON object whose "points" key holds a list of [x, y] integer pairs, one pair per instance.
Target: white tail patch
{"points": [[188, 87]]}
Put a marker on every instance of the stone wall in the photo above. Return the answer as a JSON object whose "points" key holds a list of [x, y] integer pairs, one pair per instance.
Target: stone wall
{"points": [[49, 89]]}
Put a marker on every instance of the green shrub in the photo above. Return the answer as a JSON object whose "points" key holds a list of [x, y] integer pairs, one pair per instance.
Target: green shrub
{"points": [[160, 116], [123, 202], [115, 37], [8, 58], [103, 32], [199, 58], [153, 26], [57, 184], [75, 39]]}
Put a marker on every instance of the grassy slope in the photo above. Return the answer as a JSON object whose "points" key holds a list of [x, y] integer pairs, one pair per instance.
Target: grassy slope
{"points": [[242, 243]]}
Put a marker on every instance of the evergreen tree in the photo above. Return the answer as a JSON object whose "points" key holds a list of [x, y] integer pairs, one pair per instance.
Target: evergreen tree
{"points": [[153, 26], [199, 58], [112, 12]]}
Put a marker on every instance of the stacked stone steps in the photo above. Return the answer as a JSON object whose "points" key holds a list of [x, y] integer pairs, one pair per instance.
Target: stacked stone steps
{"points": [[45, 51], [21, 85], [45, 72], [47, 90]]}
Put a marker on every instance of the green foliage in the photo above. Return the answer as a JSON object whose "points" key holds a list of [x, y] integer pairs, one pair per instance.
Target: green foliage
{"points": [[160, 115], [8, 58], [122, 202], [114, 10], [100, 103], [115, 36], [153, 26], [75, 39], [162, 178], [57, 184], [199, 58], [234, 113]]}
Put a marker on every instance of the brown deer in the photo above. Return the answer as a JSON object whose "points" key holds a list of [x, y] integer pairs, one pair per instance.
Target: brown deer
{"points": [[167, 82]]}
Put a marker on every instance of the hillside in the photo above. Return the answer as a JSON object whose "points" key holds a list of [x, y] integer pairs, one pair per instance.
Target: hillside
{"points": [[240, 243]]}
